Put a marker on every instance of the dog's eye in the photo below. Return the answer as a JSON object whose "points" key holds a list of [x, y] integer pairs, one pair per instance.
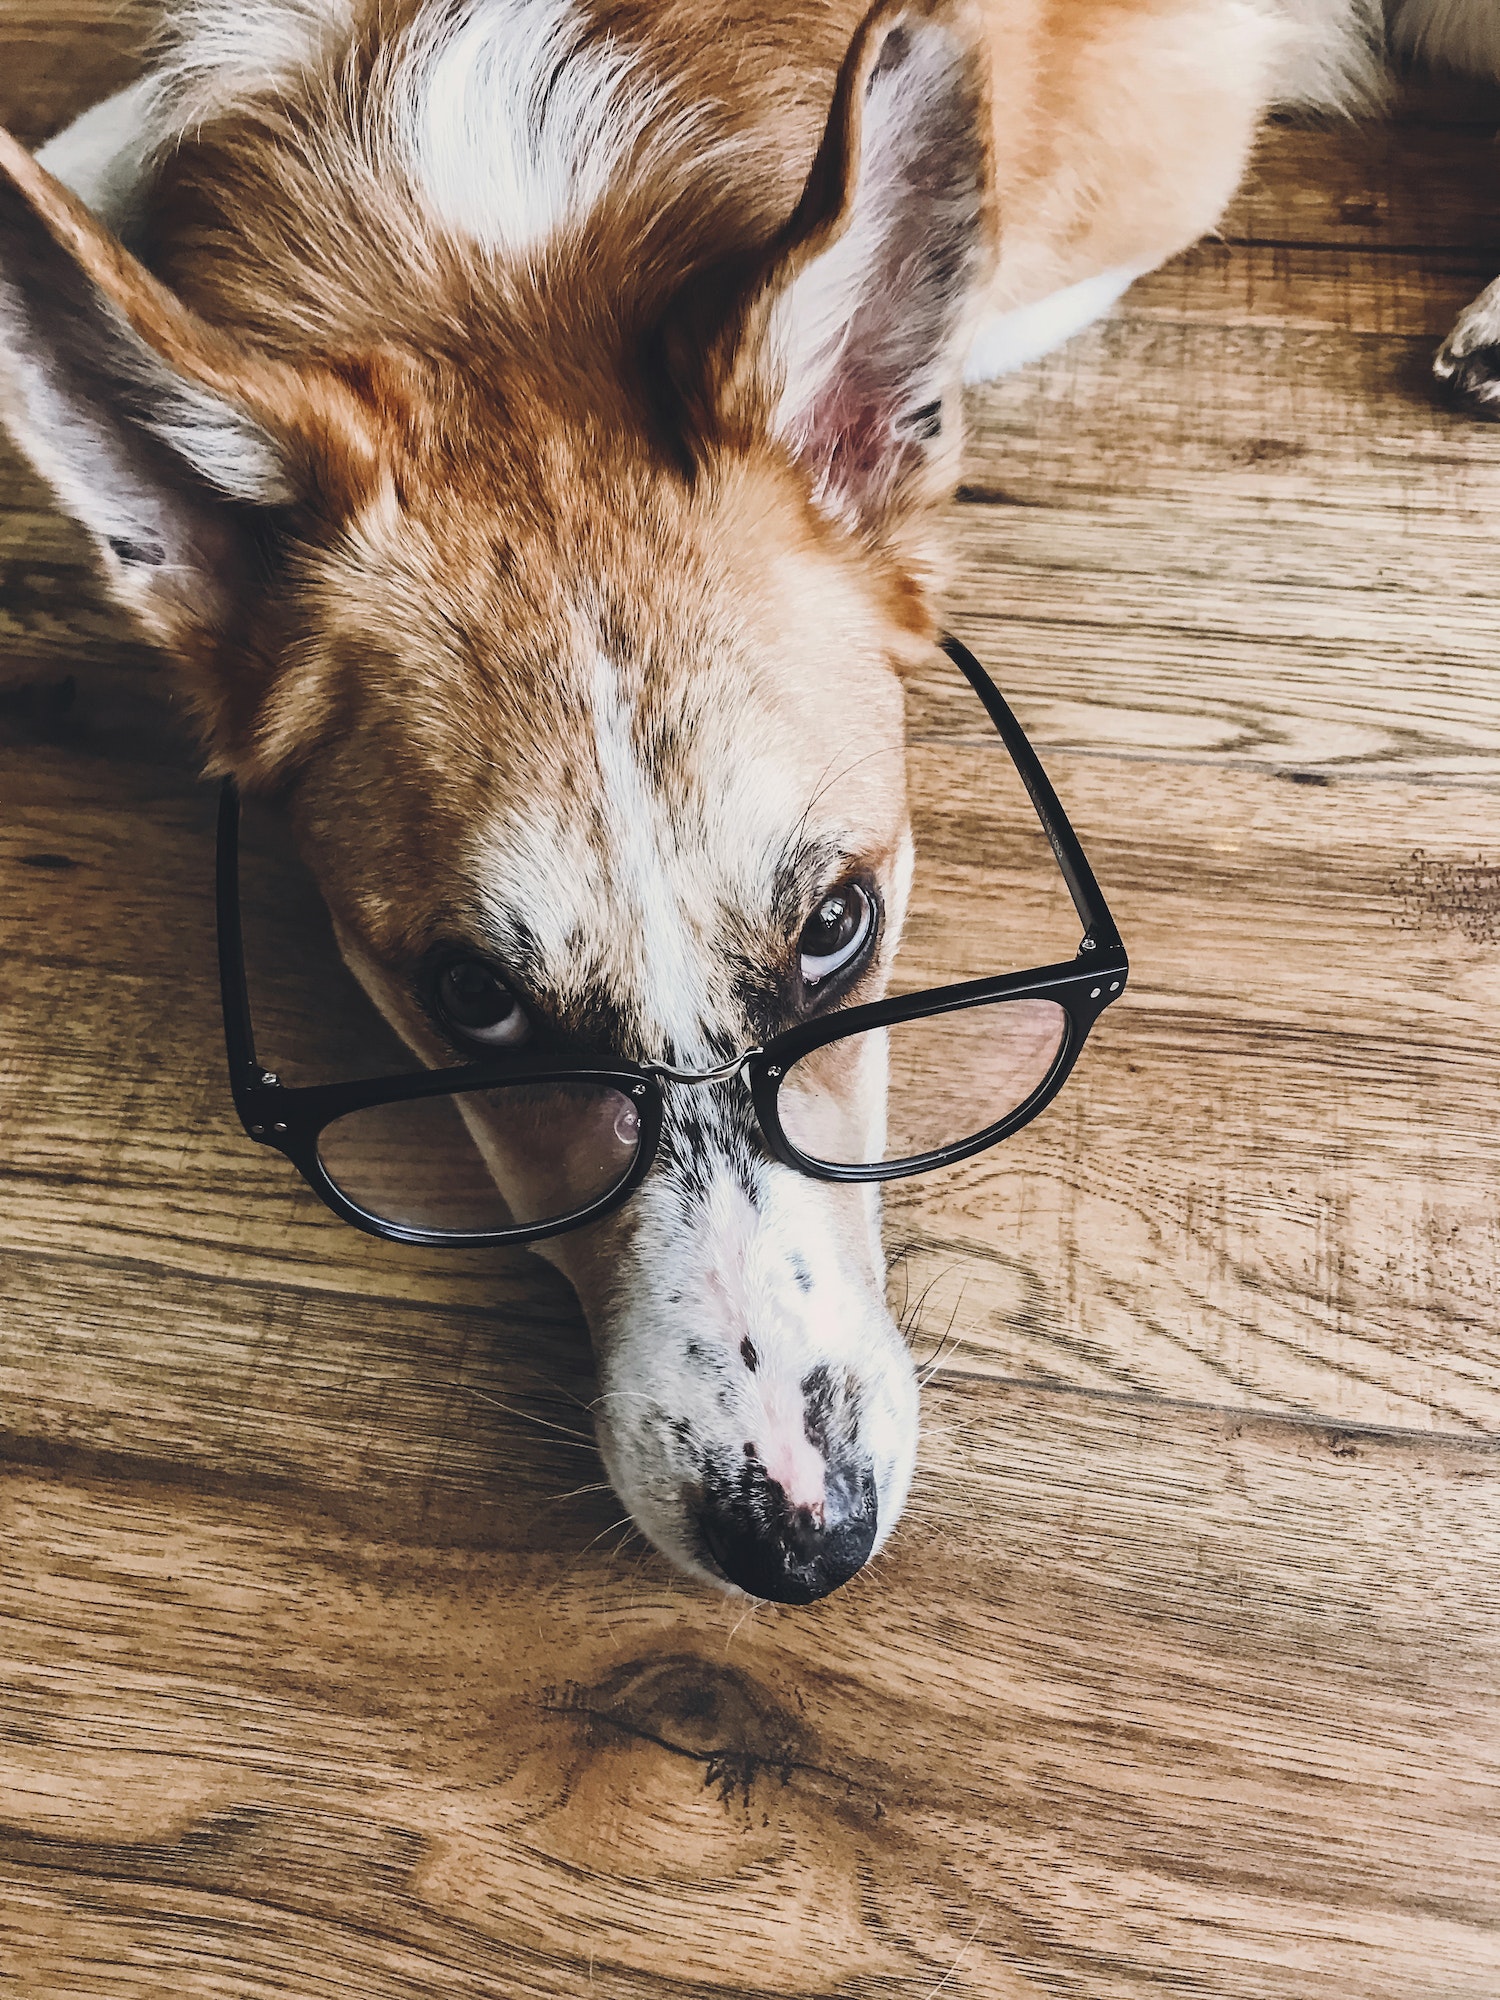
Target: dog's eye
{"points": [[481, 1006], [836, 932]]}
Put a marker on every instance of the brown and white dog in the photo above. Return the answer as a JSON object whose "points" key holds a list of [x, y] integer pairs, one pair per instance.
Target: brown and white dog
{"points": [[521, 420]]}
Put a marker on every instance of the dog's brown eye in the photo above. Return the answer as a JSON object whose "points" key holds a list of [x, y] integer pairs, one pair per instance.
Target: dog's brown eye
{"points": [[479, 1004], [836, 932]]}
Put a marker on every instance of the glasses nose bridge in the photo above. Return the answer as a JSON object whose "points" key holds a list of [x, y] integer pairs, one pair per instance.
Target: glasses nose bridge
{"points": [[722, 1073]]}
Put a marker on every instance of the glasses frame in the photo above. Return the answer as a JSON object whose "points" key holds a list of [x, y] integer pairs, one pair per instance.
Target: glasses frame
{"points": [[292, 1118]]}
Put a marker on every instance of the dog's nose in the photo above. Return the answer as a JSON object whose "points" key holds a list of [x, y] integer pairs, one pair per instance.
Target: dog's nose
{"points": [[792, 1555]]}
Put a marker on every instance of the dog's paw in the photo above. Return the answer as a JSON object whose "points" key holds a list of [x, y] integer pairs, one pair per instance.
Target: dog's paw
{"points": [[1468, 362]]}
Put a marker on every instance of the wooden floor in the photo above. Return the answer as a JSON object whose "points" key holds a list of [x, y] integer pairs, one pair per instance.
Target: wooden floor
{"points": [[321, 1673]]}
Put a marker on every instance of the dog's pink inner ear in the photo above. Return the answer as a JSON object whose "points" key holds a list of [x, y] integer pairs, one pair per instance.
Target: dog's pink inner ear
{"points": [[866, 311]]}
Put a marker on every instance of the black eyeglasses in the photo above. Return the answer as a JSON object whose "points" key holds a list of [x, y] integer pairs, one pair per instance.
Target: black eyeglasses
{"points": [[522, 1146]]}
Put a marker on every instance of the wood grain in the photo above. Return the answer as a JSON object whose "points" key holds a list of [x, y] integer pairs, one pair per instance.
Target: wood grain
{"points": [[1205, 1708], [328, 1670]]}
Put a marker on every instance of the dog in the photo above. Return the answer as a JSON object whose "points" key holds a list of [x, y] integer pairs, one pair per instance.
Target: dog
{"points": [[522, 422]]}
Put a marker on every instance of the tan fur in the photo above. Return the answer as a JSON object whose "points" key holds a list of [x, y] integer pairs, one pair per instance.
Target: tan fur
{"points": [[1119, 130], [476, 413], [321, 416], [1120, 126]]}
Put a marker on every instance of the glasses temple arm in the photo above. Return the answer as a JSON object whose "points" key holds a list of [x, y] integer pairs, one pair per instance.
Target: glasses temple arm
{"points": [[1088, 898], [239, 1037]]}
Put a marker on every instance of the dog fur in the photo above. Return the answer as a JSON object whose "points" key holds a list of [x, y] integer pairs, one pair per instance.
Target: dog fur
{"points": [[522, 419]]}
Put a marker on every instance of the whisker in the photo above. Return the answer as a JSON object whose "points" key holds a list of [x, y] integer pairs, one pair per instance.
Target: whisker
{"points": [[905, 1280], [623, 1522], [614, 1554], [566, 1395], [561, 1396], [831, 776], [903, 1258], [577, 1493], [947, 1347], [751, 1607], [936, 1990], [917, 1310], [943, 1346], [526, 1417]]}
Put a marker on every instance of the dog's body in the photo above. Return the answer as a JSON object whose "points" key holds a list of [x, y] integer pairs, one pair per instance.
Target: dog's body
{"points": [[522, 424]]}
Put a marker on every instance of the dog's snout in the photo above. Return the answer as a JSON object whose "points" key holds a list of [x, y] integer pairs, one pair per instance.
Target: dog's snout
{"points": [[790, 1554]]}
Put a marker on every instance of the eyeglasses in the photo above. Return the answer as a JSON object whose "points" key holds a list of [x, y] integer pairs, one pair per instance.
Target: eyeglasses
{"points": [[523, 1146]]}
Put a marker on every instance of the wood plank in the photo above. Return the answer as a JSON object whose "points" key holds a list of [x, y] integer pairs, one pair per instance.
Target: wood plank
{"points": [[1330, 681], [480, 1405], [1202, 1706], [1188, 539], [1421, 179], [1315, 289], [1282, 412], [63, 56]]}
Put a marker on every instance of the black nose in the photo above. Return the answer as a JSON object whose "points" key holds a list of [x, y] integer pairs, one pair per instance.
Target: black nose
{"points": [[791, 1555]]}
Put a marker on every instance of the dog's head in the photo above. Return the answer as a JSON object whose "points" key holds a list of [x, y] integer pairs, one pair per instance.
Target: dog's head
{"points": [[573, 631]]}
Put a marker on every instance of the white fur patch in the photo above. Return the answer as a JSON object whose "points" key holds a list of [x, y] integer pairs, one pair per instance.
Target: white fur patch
{"points": [[223, 446], [1011, 340], [658, 871], [507, 124], [512, 128], [641, 839], [223, 52], [103, 155], [218, 54]]}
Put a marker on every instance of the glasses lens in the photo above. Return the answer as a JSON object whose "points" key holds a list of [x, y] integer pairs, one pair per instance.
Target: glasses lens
{"points": [[484, 1160], [951, 1077]]}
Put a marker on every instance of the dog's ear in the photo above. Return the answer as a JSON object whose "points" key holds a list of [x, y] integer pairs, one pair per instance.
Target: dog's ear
{"points": [[850, 343], [170, 445]]}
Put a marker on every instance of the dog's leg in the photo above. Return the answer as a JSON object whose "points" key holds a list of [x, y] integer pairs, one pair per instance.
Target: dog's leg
{"points": [[104, 155], [1137, 139], [1461, 34]]}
